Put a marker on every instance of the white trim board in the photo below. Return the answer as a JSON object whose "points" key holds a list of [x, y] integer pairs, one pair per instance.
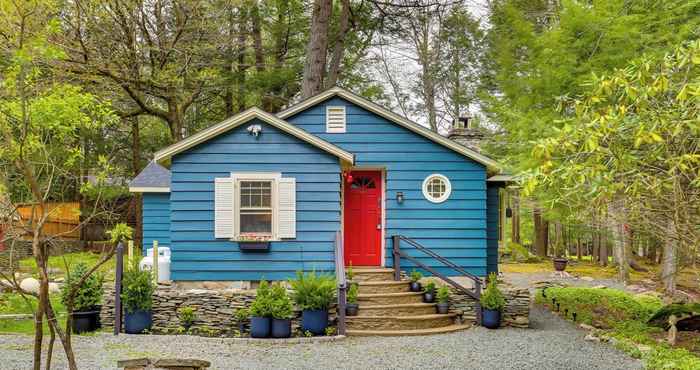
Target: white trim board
{"points": [[393, 117], [148, 189], [243, 117]]}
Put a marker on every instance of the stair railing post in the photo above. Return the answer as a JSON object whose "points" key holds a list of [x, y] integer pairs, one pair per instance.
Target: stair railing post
{"points": [[118, 289], [397, 257], [477, 305]]}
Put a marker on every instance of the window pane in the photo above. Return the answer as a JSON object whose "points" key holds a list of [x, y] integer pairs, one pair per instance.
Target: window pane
{"points": [[256, 222], [256, 194]]}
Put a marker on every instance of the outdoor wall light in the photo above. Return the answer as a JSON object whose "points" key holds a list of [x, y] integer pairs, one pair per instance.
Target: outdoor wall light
{"points": [[254, 130], [399, 197]]}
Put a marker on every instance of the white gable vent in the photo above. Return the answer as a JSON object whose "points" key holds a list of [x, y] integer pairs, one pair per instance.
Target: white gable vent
{"points": [[335, 119]]}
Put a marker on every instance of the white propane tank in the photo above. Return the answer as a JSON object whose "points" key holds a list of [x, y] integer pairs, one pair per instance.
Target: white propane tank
{"points": [[163, 263]]}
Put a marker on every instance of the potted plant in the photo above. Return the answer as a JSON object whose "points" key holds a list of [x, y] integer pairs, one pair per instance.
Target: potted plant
{"points": [[137, 299], [313, 294], [415, 277], [242, 315], [86, 299], [349, 273], [560, 263], [429, 292], [261, 311], [186, 315], [443, 298], [352, 308], [492, 303], [281, 311]]}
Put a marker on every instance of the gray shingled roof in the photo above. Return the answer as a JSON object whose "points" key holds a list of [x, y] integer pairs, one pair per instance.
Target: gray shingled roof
{"points": [[153, 176]]}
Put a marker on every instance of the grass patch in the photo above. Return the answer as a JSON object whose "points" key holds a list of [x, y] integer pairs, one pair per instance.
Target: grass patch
{"points": [[623, 316], [13, 303], [58, 263]]}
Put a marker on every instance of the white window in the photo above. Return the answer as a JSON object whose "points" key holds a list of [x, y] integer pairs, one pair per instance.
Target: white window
{"points": [[259, 206], [335, 119], [436, 188]]}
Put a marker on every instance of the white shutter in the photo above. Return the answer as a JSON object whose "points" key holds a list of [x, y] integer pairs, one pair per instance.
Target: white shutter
{"points": [[223, 207], [335, 119], [287, 207]]}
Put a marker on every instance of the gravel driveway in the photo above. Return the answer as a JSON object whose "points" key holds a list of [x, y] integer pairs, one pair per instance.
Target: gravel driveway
{"points": [[552, 343]]}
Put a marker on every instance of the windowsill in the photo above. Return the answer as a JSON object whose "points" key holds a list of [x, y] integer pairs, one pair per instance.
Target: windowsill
{"points": [[254, 239]]}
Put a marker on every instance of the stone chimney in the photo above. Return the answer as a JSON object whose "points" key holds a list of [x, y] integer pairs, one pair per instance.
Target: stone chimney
{"points": [[463, 133]]}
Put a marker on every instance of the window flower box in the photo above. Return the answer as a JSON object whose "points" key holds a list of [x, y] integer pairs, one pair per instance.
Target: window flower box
{"points": [[254, 243]]}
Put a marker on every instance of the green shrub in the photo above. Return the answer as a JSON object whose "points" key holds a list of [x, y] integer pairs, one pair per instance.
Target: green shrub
{"points": [[350, 274], [281, 304], [443, 294], [137, 289], [492, 298], [603, 308], [242, 314], [313, 291], [88, 295], [186, 314], [663, 357], [415, 275], [262, 304], [352, 293], [429, 287]]}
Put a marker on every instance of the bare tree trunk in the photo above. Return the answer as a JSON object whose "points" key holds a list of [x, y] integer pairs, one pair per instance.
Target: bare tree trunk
{"points": [[669, 264], [579, 255], [620, 240], [515, 217], [541, 231], [136, 168], [315, 66], [339, 47]]}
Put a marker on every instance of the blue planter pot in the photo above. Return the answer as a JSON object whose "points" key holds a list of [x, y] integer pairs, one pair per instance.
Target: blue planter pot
{"points": [[491, 319], [138, 321], [314, 321], [260, 327], [281, 328]]}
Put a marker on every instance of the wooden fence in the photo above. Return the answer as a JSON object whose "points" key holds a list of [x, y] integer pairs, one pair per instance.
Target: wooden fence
{"points": [[62, 221]]}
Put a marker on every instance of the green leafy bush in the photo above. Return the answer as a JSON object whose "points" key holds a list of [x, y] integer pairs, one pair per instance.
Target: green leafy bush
{"points": [[137, 289], [443, 294], [88, 295], [313, 291], [281, 304], [262, 305], [350, 274], [352, 293], [242, 314], [415, 275], [492, 298], [429, 287], [187, 315], [663, 357]]}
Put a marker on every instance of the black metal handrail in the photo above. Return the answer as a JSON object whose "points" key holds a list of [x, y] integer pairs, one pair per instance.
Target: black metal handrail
{"points": [[475, 293]]}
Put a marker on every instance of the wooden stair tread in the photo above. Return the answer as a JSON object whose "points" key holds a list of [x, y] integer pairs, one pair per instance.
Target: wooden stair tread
{"points": [[403, 318], [387, 282], [397, 305], [369, 270], [396, 333]]}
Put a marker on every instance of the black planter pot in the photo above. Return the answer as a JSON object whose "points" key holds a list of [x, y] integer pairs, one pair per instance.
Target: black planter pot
{"points": [[281, 328], [560, 263], [98, 322], [314, 321], [241, 328], [138, 321], [351, 309], [260, 327], [491, 319], [428, 297], [443, 308], [416, 287], [85, 321]]}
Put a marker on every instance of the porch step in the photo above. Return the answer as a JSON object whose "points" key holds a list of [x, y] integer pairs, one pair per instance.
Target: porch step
{"points": [[399, 322], [390, 286], [402, 333], [379, 299], [372, 274], [406, 309]]}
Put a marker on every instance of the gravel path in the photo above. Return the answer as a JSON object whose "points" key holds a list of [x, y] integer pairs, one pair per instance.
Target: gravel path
{"points": [[551, 343]]}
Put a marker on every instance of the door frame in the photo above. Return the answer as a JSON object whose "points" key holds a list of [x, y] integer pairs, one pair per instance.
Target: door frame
{"points": [[382, 172]]}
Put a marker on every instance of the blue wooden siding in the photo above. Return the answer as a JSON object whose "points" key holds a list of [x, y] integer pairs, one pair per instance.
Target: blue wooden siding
{"points": [[492, 202], [156, 219], [197, 255], [455, 228]]}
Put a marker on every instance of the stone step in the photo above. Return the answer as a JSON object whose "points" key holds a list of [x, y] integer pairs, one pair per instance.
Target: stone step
{"points": [[372, 274], [403, 333], [389, 298], [389, 286], [406, 309], [399, 322]]}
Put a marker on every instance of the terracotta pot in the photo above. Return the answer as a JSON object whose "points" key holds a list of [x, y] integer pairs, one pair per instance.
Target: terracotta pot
{"points": [[560, 263]]}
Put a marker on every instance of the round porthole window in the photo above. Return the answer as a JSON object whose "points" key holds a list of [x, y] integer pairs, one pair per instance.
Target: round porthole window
{"points": [[436, 188]]}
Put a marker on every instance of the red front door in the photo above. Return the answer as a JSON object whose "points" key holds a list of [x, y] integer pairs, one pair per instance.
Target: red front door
{"points": [[363, 218]]}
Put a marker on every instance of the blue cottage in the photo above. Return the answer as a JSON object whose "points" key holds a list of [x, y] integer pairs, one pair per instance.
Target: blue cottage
{"points": [[261, 196]]}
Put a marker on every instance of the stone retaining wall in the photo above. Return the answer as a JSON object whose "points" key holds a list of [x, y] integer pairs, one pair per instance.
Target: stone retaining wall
{"points": [[516, 313], [214, 309]]}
